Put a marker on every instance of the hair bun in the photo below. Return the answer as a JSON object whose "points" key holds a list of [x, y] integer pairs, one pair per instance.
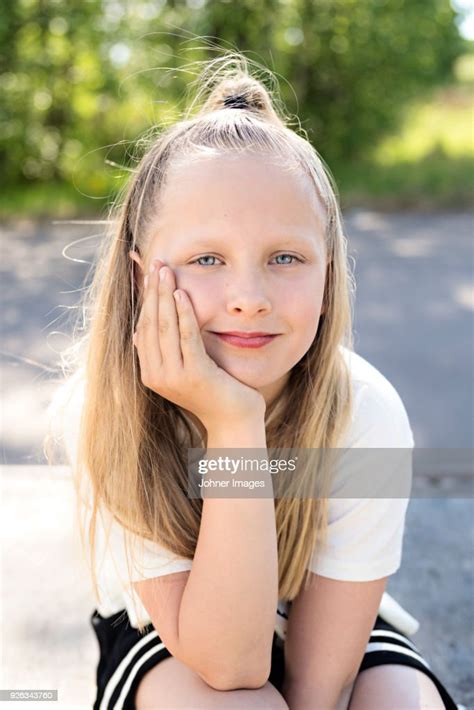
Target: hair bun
{"points": [[237, 89], [241, 91], [236, 101]]}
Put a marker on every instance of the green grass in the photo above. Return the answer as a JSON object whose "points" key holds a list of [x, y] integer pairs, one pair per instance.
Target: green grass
{"points": [[428, 164], [437, 181], [445, 123]]}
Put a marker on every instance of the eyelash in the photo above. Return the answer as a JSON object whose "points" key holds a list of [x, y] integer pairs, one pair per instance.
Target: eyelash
{"points": [[216, 257]]}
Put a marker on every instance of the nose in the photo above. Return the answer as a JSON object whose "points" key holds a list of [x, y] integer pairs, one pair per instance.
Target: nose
{"points": [[248, 298]]}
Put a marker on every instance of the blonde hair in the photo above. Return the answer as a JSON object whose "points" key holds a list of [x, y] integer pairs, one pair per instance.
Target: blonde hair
{"points": [[132, 443]]}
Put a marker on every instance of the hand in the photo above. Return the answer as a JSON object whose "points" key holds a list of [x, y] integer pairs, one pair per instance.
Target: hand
{"points": [[174, 362]]}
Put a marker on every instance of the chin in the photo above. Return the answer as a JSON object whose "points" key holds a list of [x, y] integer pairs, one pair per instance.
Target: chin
{"points": [[251, 375]]}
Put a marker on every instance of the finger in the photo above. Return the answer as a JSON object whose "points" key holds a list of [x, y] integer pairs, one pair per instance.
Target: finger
{"points": [[168, 328], [136, 336], [147, 327], [192, 346]]}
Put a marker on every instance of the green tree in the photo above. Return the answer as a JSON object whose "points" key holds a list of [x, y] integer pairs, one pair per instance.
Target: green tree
{"points": [[83, 78]]}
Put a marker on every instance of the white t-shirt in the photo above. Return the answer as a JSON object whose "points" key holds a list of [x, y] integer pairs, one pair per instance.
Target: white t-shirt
{"points": [[365, 535]]}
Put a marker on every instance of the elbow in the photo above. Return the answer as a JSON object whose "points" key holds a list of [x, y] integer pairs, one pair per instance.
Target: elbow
{"points": [[231, 675], [248, 669]]}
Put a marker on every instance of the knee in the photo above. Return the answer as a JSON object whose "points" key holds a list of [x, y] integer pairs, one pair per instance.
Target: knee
{"points": [[391, 686], [175, 685]]}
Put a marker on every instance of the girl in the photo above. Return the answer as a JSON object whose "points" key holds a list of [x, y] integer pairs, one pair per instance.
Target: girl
{"points": [[220, 317]]}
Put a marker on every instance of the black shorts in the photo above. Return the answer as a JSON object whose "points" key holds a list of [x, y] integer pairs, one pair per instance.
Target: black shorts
{"points": [[126, 655]]}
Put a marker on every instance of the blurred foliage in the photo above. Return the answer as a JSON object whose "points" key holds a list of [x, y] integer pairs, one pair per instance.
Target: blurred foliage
{"points": [[445, 122], [83, 79]]}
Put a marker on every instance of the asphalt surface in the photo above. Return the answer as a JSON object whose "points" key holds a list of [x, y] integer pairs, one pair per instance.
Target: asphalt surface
{"points": [[413, 321]]}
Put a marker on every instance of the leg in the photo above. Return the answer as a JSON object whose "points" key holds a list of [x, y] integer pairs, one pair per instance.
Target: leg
{"points": [[171, 685], [394, 687]]}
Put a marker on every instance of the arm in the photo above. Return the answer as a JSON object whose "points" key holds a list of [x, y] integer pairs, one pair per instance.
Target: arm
{"points": [[227, 612], [328, 630], [219, 618], [224, 626]]}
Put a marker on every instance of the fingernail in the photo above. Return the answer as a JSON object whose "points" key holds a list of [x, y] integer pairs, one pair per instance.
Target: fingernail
{"points": [[152, 267], [162, 274], [146, 280]]}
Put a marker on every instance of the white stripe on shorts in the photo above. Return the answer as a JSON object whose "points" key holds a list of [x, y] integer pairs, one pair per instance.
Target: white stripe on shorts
{"points": [[393, 634], [126, 686], [381, 646], [116, 677]]}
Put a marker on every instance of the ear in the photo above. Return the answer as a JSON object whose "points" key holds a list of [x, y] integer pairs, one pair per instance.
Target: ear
{"points": [[138, 271]]}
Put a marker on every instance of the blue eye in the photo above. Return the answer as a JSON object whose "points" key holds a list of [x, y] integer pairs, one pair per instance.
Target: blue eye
{"points": [[207, 256], [291, 257], [210, 256]]}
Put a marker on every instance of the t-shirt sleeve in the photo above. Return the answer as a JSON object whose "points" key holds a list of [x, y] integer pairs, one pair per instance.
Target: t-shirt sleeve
{"points": [[365, 535], [141, 559], [120, 565]]}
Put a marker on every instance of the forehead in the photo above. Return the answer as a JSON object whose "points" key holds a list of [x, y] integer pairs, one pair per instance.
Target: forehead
{"points": [[249, 194]]}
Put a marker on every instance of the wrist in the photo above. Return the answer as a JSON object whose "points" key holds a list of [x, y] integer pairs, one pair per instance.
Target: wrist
{"points": [[237, 434], [251, 422]]}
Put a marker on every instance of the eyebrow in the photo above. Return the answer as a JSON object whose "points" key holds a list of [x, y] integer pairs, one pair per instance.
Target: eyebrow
{"points": [[286, 240]]}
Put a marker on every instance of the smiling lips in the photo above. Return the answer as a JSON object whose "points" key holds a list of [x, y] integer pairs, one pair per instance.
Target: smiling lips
{"points": [[246, 340]]}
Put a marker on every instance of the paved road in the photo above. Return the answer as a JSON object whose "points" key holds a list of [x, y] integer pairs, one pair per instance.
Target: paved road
{"points": [[413, 317], [413, 320]]}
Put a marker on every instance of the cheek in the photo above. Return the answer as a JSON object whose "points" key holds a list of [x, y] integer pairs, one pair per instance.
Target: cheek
{"points": [[302, 305], [204, 295]]}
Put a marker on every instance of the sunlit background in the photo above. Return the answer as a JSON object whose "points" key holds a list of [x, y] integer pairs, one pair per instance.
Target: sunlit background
{"points": [[382, 87]]}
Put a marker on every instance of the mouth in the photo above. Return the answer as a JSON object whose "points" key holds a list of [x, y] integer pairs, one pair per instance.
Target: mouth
{"points": [[246, 340]]}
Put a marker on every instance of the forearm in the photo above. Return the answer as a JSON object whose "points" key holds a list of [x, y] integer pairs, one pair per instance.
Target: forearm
{"points": [[227, 612]]}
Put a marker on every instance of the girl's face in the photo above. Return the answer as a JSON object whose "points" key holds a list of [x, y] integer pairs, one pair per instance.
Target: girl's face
{"points": [[245, 240]]}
